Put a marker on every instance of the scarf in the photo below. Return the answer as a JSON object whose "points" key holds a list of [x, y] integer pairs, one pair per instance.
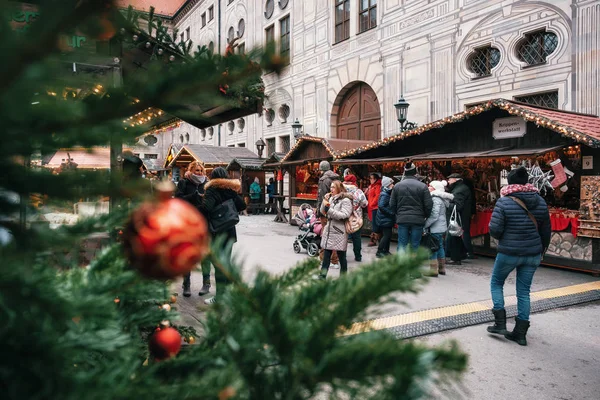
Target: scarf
{"points": [[510, 189], [197, 179]]}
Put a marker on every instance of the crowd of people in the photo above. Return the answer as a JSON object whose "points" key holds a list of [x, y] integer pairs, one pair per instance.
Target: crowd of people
{"points": [[437, 215]]}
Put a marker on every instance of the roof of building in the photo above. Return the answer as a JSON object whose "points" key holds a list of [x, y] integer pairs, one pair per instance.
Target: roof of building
{"points": [[334, 146], [163, 7], [253, 163], [583, 128], [210, 155], [94, 158]]}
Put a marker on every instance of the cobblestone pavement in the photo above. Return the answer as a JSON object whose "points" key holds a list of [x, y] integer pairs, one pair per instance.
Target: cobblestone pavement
{"points": [[561, 362]]}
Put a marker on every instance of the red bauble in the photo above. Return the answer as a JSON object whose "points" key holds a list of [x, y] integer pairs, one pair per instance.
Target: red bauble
{"points": [[166, 239], [165, 343]]}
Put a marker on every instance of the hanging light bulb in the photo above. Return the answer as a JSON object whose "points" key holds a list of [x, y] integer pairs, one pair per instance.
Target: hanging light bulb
{"points": [[135, 38], [148, 44], [160, 52]]}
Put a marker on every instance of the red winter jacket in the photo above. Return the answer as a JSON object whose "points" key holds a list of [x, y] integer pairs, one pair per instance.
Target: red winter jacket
{"points": [[373, 195]]}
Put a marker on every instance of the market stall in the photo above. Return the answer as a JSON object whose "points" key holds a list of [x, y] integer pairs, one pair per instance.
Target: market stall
{"points": [[302, 163], [210, 156], [557, 148], [247, 169]]}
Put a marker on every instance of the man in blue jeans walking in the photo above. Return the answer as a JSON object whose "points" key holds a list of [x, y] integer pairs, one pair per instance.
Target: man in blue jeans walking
{"points": [[521, 223], [412, 203]]}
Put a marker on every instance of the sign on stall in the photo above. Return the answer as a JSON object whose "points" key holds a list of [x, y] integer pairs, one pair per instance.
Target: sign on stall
{"points": [[588, 162], [507, 128]]}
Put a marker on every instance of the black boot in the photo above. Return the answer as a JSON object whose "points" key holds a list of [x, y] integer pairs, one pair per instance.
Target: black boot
{"points": [[519, 333], [499, 326], [186, 286]]}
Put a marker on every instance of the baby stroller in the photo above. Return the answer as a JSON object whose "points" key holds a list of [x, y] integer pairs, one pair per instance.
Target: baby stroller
{"points": [[310, 238]]}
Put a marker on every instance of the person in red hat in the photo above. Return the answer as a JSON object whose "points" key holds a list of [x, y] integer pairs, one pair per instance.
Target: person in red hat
{"points": [[359, 201], [373, 193]]}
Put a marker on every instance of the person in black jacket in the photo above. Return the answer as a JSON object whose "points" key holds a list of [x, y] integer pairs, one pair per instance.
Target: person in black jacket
{"points": [[412, 203], [191, 189], [462, 201], [521, 223], [218, 190]]}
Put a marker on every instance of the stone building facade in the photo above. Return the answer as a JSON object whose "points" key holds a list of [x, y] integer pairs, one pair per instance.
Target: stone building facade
{"points": [[350, 60]]}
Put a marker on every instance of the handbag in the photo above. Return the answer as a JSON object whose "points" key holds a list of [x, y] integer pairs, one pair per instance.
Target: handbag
{"points": [[224, 217], [430, 242], [455, 224], [354, 222]]}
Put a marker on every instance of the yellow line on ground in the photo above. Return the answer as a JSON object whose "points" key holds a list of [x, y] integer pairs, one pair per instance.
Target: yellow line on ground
{"points": [[459, 309]]}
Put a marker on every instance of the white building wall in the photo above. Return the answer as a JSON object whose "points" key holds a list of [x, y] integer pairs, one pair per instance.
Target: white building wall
{"points": [[419, 49]]}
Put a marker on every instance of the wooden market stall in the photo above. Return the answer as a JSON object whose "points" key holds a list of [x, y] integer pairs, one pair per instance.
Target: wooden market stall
{"points": [[302, 164], [210, 156], [485, 142], [247, 169]]}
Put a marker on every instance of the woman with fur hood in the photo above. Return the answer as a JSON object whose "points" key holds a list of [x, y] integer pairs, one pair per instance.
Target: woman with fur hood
{"points": [[337, 207], [437, 224], [218, 190]]}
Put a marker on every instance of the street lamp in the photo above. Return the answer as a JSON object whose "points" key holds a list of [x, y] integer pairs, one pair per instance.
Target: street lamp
{"points": [[260, 146], [297, 128], [402, 112]]}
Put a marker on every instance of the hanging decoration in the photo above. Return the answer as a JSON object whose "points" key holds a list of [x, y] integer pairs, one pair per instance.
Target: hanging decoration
{"points": [[560, 176], [540, 179]]}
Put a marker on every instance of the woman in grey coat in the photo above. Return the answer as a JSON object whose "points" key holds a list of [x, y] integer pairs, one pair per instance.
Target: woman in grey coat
{"points": [[437, 224], [337, 206]]}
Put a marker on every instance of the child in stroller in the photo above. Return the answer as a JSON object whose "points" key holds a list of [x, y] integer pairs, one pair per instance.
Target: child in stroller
{"points": [[310, 225]]}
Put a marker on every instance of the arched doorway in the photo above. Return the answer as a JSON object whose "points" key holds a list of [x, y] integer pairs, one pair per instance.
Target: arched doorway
{"points": [[359, 116]]}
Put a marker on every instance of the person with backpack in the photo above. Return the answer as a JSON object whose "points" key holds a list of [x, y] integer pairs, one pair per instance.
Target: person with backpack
{"points": [[521, 223], [337, 207], [359, 201], [385, 216], [222, 205], [191, 189]]}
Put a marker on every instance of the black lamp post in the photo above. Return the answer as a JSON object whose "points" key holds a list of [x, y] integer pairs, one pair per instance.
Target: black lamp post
{"points": [[260, 146], [297, 128], [402, 112]]}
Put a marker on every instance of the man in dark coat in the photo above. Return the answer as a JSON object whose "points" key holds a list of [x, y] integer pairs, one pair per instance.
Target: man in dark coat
{"points": [[521, 223], [462, 201], [218, 190], [412, 203]]}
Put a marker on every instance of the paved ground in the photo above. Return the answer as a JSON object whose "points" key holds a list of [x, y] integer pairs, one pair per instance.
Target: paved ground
{"points": [[561, 362]]}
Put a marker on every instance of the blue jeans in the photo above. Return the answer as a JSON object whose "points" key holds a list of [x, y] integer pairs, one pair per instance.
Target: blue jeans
{"points": [[526, 267], [441, 253], [409, 234]]}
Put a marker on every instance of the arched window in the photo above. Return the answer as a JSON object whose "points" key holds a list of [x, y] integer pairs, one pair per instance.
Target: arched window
{"points": [[284, 113], [482, 60], [241, 27], [241, 123], [210, 133], [270, 116], [230, 127], [211, 47], [230, 35], [187, 137], [202, 133], [535, 48]]}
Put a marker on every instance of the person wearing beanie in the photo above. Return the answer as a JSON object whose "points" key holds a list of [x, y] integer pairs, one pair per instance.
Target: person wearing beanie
{"points": [[373, 193], [521, 224], [359, 201], [385, 217], [437, 225], [463, 198], [327, 177], [412, 205]]}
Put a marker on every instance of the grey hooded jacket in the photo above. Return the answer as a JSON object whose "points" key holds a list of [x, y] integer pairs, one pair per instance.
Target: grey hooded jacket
{"points": [[437, 223]]}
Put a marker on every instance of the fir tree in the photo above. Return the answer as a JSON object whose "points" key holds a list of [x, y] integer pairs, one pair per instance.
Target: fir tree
{"points": [[70, 332]]}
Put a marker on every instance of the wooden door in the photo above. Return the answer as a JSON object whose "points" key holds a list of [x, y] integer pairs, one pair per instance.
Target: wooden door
{"points": [[359, 117]]}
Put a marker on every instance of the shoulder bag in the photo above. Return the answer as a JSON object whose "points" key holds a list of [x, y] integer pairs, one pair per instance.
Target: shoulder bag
{"points": [[430, 242], [455, 224], [224, 217]]}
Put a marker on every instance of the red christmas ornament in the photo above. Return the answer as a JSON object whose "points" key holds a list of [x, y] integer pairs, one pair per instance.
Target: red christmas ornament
{"points": [[165, 343], [166, 239]]}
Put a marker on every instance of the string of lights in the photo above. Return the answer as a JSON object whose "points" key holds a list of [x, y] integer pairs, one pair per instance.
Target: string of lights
{"points": [[511, 108]]}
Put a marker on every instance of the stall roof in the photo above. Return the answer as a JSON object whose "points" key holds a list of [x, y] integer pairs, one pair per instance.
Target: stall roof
{"points": [[334, 146], [441, 156], [582, 128], [252, 163], [94, 158], [209, 155]]}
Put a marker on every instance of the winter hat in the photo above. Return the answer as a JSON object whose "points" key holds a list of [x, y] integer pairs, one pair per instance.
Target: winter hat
{"points": [[439, 185], [455, 176], [518, 176], [324, 166], [256, 180], [350, 179], [347, 172], [386, 181], [410, 169]]}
